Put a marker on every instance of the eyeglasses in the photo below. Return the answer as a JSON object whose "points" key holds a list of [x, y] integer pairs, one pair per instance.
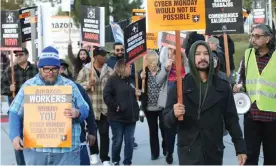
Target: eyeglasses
{"points": [[19, 55], [47, 70], [118, 50], [256, 36]]}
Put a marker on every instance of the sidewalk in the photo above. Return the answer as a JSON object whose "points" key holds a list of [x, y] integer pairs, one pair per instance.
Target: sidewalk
{"points": [[141, 155]]}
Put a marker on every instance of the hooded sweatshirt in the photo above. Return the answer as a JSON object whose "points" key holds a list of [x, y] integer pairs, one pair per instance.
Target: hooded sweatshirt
{"points": [[202, 86]]}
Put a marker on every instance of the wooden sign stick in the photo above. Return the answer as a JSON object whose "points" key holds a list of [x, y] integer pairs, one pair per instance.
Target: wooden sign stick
{"points": [[226, 51], [12, 72], [178, 64], [92, 66], [144, 71]]}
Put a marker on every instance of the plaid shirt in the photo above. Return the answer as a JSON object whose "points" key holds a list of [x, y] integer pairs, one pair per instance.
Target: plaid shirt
{"points": [[99, 106], [255, 113], [17, 107], [20, 76]]}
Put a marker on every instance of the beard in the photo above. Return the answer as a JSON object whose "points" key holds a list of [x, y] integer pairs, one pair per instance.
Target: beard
{"points": [[203, 68]]}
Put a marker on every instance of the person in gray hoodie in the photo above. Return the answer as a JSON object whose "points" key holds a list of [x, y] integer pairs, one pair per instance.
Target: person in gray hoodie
{"points": [[166, 78]]}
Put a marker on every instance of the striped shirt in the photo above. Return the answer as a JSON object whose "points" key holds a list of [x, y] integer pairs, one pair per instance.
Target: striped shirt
{"points": [[255, 113], [17, 107]]}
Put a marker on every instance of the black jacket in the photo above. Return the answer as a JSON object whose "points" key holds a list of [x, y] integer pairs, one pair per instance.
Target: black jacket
{"points": [[231, 48], [120, 92], [206, 133]]}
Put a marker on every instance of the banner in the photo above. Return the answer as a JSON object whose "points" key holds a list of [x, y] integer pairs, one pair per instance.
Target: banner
{"points": [[224, 17], [44, 122], [117, 31], [259, 11], [168, 40], [168, 15], [25, 22], [135, 40], [10, 32], [152, 38], [93, 25]]}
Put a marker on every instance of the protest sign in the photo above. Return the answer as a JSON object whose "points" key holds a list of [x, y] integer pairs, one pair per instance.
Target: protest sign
{"points": [[44, 122], [117, 31], [135, 40], [168, 15], [152, 37], [26, 18], [259, 12], [224, 17], [168, 40], [137, 14], [93, 25], [10, 32]]}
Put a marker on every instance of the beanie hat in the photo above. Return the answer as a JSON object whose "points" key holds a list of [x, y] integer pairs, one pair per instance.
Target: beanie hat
{"points": [[49, 57]]}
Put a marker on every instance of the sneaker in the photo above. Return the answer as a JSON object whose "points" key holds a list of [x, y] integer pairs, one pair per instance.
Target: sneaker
{"points": [[116, 163], [94, 159], [107, 163]]}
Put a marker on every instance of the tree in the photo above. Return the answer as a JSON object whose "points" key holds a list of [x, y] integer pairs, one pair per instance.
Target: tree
{"points": [[11, 4], [16, 4], [122, 9]]}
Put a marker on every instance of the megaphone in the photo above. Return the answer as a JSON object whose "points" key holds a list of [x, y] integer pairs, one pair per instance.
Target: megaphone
{"points": [[243, 102]]}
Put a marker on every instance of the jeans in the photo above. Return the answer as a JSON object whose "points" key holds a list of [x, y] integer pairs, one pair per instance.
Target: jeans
{"points": [[84, 154], [152, 119], [257, 133], [122, 131], [103, 127], [44, 158], [19, 156]]}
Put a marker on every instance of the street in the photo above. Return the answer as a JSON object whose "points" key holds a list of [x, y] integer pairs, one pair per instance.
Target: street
{"points": [[141, 155]]}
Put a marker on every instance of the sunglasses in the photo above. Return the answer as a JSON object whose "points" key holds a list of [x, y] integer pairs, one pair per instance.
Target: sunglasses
{"points": [[118, 50], [47, 70]]}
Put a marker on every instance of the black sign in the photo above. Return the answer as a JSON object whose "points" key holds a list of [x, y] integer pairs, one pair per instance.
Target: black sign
{"points": [[224, 17], [26, 17], [90, 24], [135, 40], [259, 11], [10, 34]]}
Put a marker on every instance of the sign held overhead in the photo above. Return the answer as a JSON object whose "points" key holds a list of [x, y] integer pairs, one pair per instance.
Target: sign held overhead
{"points": [[170, 15], [135, 40]]}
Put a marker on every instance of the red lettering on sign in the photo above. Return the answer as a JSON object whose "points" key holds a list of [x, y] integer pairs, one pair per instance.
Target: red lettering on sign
{"points": [[10, 42], [171, 38], [91, 36], [136, 51]]}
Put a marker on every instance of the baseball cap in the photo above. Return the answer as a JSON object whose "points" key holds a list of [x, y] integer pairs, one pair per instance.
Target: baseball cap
{"points": [[23, 50]]}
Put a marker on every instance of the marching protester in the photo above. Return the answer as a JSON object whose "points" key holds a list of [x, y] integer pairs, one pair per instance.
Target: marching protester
{"points": [[214, 45], [149, 104], [90, 120], [258, 78], [23, 71], [119, 53], [123, 111], [101, 73], [208, 101], [165, 78], [82, 59], [5, 62], [49, 65]]}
